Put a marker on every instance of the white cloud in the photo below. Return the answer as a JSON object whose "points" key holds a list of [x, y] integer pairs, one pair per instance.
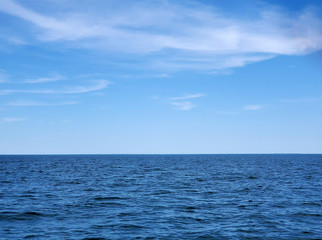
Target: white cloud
{"points": [[252, 107], [12, 119], [100, 84], [182, 103], [34, 103], [191, 35], [191, 96], [185, 105], [45, 79], [51, 24]]}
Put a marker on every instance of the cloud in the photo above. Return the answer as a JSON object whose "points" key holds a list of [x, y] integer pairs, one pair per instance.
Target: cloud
{"points": [[186, 35], [100, 84], [252, 107], [45, 79], [13, 119], [34, 103], [191, 96], [181, 103], [186, 105]]}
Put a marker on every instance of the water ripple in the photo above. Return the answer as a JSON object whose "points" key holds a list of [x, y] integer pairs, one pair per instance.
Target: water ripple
{"points": [[161, 197]]}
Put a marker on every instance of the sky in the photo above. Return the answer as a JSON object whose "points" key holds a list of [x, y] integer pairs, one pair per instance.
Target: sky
{"points": [[160, 76]]}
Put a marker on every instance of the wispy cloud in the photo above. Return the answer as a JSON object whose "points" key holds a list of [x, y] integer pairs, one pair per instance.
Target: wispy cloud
{"points": [[34, 103], [199, 37], [191, 96], [12, 119], [46, 79], [252, 107], [99, 85], [185, 105]]}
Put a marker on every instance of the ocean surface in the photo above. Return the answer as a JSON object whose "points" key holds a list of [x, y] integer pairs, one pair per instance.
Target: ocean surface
{"points": [[161, 197]]}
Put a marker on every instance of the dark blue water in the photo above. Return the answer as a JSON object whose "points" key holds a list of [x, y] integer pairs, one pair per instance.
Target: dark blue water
{"points": [[161, 197]]}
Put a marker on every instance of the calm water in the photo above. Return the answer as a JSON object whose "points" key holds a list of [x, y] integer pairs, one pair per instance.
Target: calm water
{"points": [[161, 197]]}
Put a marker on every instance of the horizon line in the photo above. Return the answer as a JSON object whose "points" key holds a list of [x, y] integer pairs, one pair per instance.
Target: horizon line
{"points": [[58, 154]]}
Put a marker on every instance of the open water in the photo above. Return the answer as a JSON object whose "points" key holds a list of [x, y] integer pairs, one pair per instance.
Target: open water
{"points": [[161, 197]]}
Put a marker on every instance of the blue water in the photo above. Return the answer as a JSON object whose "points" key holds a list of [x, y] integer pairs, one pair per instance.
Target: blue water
{"points": [[161, 197]]}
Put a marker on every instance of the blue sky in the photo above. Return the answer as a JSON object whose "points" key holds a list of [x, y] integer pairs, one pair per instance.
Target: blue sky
{"points": [[160, 76]]}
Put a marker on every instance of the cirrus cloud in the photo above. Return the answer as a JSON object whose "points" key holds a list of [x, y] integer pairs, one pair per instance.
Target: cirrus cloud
{"points": [[185, 105], [13, 119], [175, 35], [183, 102], [35, 103], [252, 107], [46, 79], [99, 85]]}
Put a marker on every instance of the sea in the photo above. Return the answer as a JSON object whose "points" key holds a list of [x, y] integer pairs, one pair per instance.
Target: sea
{"points": [[220, 196]]}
